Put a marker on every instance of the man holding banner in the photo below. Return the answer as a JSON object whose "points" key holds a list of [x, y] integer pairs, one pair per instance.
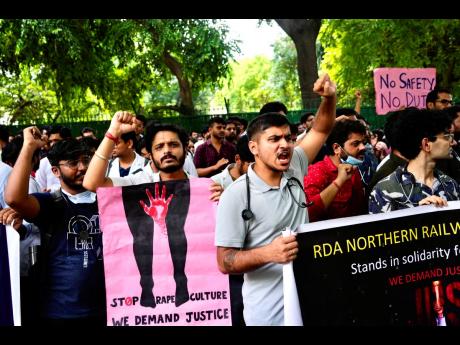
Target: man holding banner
{"points": [[162, 216], [428, 138], [249, 238]]}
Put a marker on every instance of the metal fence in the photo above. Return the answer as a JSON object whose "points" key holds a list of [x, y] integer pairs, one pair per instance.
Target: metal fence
{"points": [[189, 123]]}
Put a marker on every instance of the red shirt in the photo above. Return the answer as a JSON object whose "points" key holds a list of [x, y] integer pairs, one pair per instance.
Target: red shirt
{"points": [[349, 201]]}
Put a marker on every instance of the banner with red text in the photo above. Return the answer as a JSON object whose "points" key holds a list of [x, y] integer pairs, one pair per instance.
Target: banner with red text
{"points": [[398, 268], [402, 87], [159, 255]]}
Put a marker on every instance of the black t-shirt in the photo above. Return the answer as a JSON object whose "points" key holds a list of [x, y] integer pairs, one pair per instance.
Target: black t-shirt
{"points": [[74, 274]]}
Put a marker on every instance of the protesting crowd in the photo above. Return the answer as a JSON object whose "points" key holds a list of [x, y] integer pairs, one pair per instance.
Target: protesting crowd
{"points": [[265, 176]]}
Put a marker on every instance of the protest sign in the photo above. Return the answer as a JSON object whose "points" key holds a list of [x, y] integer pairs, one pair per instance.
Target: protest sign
{"points": [[159, 255], [397, 268], [402, 87]]}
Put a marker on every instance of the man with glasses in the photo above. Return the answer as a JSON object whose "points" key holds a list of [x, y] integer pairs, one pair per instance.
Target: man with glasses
{"points": [[72, 290], [439, 99], [427, 138]]}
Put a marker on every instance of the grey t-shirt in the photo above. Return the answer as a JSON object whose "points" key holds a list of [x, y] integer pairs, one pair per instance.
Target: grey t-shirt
{"points": [[274, 209]]}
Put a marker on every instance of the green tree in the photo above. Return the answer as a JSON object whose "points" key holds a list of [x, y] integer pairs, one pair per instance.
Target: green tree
{"points": [[353, 48], [249, 86], [284, 78], [117, 60]]}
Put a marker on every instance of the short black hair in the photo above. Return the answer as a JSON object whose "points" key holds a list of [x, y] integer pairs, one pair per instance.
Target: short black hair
{"points": [[392, 127], [10, 152], [242, 148], [294, 128], [4, 133], [378, 133], [417, 124], [152, 130], [264, 121], [216, 119], [345, 111], [140, 145], [305, 117], [86, 130], [273, 107], [129, 136], [341, 131], [432, 96], [235, 119], [67, 149], [452, 111], [90, 142], [142, 118], [64, 132]]}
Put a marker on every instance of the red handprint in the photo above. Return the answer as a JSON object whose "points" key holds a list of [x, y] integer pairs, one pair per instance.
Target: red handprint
{"points": [[158, 208]]}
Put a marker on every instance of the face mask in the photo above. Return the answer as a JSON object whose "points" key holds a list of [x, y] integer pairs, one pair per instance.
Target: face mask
{"points": [[351, 160]]}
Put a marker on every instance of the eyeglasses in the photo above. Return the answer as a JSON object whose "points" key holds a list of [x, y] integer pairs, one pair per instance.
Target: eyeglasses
{"points": [[445, 101], [448, 136], [73, 163]]}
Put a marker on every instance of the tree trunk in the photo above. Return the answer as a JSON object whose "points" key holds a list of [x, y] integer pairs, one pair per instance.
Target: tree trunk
{"points": [[185, 105], [448, 75], [303, 33]]}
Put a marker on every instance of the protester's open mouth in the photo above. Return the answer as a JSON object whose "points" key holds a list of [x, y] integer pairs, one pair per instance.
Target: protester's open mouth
{"points": [[283, 157]]}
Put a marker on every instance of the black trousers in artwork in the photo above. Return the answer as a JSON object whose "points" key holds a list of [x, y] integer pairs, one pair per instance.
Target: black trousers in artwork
{"points": [[141, 226]]}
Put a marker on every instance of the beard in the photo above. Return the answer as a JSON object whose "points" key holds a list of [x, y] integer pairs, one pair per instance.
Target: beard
{"points": [[172, 167], [70, 182]]}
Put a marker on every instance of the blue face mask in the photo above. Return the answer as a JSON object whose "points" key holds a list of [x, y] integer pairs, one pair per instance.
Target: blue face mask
{"points": [[351, 160]]}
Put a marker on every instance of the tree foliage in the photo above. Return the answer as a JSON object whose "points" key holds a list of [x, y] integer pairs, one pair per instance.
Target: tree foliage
{"points": [[257, 80], [353, 48], [249, 87], [284, 76], [116, 61]]}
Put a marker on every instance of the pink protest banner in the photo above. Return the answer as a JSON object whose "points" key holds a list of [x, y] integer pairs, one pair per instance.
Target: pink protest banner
{"points": [[402, 87], [159, 255]]}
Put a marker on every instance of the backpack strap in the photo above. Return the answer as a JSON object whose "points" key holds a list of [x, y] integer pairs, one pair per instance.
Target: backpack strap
{"points": [[110, 166], [59, 202]]}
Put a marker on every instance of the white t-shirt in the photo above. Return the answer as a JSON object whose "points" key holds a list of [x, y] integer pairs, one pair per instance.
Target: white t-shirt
{"points": [[113, 170], [146, 175], [224, 178], [45, 177]]}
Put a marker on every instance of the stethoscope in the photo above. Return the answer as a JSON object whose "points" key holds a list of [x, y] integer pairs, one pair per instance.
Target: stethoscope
{"points": [[247, 214], [413, 182]]}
